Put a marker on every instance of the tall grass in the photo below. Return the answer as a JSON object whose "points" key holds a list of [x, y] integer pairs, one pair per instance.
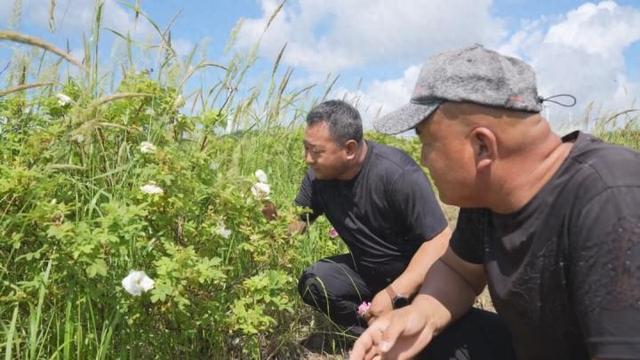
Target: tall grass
{"points": [[72, 220]]}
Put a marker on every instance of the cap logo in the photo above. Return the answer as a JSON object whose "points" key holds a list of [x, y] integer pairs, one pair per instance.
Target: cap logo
{"points": [[516, 99]]}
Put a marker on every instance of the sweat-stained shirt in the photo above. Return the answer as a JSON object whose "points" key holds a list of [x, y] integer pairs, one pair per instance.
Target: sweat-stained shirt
{"points": [[564, 271]]}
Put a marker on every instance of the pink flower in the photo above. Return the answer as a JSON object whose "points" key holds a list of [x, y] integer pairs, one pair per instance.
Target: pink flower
{"points": [[333, 233], [363, 308]]}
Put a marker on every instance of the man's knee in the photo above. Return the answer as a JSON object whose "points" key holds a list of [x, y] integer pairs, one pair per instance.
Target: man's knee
{"points": [[478, 334], [311, 287]]}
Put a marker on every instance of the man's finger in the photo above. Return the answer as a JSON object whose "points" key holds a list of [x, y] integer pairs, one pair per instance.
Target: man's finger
{"points": [[364, 343], [373, 354], [397, 327], [414, 333]]}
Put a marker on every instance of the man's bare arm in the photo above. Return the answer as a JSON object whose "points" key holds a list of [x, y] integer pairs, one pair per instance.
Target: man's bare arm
{"points": [[409, 282], [411, 279], [448, 292]]}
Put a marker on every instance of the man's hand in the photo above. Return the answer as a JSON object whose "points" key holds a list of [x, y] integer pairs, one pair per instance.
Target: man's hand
{"points": [[380, 305], [269, 209], [399, 334], [448, 292]]}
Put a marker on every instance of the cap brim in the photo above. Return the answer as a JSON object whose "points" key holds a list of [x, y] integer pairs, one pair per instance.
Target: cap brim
{"points": [[405, 118]]}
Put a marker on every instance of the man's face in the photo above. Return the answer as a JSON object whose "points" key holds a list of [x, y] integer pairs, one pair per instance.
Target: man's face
{"points": [[448, 155], [321, 153]]}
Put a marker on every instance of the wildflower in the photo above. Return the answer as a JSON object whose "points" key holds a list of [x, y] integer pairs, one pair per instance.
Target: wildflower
{"points": [[223, 231], [262, 176], [63, 100], [214, 166], [364, 308], [137, 282], [147, 147], [79, 138], [151, 189], [333, 233], [260, 190]]}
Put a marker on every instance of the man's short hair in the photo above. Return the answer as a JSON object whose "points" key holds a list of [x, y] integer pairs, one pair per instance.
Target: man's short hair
{"points": [[343, 120]]}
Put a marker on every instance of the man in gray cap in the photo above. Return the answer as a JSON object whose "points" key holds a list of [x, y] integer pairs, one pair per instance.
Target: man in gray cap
{"points": [[550, 223]]}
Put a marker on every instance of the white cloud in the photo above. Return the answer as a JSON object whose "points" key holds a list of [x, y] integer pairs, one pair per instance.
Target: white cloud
{"points": [[77, 16], [604, 29], [580, 53], [74, 16], [332, 35], [381, 96]]}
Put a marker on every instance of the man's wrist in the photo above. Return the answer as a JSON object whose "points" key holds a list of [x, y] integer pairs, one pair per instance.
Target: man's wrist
{"points": [[398, 300], [428, 307]]}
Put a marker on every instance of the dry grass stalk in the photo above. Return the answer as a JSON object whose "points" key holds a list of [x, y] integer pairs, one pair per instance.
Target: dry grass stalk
{"points": [[22, 88], [109, 98], [34, 41]]}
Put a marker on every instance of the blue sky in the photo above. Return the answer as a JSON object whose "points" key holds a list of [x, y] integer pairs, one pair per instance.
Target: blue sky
{"points": [[589, 49]]}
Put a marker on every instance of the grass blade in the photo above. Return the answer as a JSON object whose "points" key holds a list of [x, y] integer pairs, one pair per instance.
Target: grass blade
{"points": [[37, 42], [11, 335]]}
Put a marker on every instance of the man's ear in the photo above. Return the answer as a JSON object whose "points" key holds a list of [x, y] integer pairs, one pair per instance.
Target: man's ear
{"points": [[351, 148], [485, 147]]}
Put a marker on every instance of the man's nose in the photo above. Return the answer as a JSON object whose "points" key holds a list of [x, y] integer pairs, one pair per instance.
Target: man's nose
{"points": [[308, 158]]}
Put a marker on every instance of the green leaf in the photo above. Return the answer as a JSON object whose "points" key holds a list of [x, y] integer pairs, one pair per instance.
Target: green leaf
{"points": [[99, 267]]}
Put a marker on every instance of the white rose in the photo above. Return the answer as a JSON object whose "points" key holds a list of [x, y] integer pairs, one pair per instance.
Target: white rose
{"points": [[147, 147], [137, 282], [260, 190], [63, 100], [151, 189], [262, 176]]}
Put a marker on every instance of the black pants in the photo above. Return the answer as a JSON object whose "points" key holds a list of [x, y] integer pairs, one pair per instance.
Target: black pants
{"points": [[478, 335], [334, 287]]}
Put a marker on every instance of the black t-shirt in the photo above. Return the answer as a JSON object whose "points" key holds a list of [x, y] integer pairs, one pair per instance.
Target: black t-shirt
{"points": [[383, 214], [564, 271]]}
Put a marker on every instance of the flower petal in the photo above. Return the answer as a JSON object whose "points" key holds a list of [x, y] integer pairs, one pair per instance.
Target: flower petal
{"points": [[63, 100], [151, 189], [131, 283], [260, 190], [147, 283], [261, 175], [147, 148]]}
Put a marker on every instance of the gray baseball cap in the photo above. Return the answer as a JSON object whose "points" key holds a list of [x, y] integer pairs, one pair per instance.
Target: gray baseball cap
{"points": [[472, 74]]}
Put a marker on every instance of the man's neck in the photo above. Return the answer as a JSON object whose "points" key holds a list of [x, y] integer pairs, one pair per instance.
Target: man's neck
{"points": [[524, 176]]}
